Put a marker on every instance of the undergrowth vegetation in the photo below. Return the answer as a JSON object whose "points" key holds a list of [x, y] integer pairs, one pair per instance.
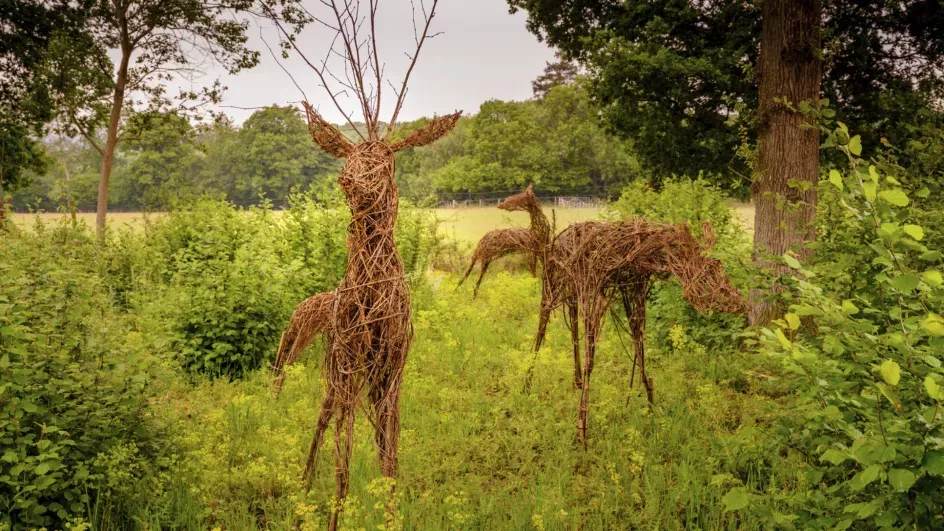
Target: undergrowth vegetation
{"points": [[135, 393]]}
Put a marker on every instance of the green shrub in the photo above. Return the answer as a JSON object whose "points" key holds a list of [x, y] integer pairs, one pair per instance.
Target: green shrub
{"points": [[865, 346], [73, 384], [226, 293]]}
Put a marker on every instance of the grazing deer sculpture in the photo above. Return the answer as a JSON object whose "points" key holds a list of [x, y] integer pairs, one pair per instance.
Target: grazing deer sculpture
{"points": [[590, 264], [496, 244]]}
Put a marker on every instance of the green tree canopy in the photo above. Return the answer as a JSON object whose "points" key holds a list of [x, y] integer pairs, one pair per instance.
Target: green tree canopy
{"points": [[678, 78]]}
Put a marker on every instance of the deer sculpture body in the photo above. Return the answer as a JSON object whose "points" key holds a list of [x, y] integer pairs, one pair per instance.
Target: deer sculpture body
{"points": [[370, 329], [532, 241], [591, 264], [311, 318]]}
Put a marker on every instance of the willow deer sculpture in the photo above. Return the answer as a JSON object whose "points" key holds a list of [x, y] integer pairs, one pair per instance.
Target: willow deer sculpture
{"points": [[369, 329], [496, 244], [592, 264]]}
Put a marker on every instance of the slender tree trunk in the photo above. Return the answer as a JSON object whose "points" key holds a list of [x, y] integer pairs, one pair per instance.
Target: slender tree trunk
{"points": [[790, 67], [111, 141]]}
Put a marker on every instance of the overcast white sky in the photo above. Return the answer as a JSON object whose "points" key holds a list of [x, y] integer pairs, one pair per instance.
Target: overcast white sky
{"points": [[484, 53]]}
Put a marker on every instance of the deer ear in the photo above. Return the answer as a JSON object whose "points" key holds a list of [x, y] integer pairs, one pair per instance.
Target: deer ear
{"points": [[326, 135], [708, 234], [429, 133]]}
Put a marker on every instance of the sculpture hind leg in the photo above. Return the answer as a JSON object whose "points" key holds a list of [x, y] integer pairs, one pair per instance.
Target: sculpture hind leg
{"points": [[475, 292], [343, 446], [574, 325], [324, 418], [468, 271], [386, 402]]}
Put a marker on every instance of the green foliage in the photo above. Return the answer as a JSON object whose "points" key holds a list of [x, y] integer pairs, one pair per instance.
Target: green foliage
{"points": [[554, 143], [226, 287], [73, 379], [679, 78], [865, 348]]}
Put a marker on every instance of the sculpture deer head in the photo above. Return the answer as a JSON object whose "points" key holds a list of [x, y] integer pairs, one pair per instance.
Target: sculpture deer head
{"points": [[704, 282], [369, 167], [521, 201]]}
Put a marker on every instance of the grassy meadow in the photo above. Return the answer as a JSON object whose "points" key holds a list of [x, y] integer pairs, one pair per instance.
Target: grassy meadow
{"points": [[478, 451], [140, 372]]}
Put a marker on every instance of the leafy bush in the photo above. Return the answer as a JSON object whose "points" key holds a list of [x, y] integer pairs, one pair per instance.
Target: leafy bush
{"points": [[73, 384], [866, 348], [226, 294]]}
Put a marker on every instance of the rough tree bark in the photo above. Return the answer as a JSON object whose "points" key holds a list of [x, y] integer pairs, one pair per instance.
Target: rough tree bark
{"points": [[111, 141], [790, 67]]}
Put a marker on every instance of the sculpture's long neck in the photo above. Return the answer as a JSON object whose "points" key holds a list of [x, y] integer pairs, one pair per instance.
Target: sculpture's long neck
{"points": [[370, 233], [539, 224]]}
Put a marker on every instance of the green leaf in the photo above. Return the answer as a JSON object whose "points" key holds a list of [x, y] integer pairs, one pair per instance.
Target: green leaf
{"points": [[914, 231], [934, 390], [889, 394], [791, 261], [906, 283], [891, 372], [931, 256], [901, 479], [784, 342], [792, 321], [855, 145], [869, 189], [41, 469], [835, 178], [849, 308], [863, 478], [834, 456], [896, 197], [933, 277], [735, 500], [933, 462], [923, 193], [935, 328]]}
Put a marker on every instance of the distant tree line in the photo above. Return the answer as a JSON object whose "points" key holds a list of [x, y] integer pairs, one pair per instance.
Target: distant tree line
{"points": [[553, 141]]}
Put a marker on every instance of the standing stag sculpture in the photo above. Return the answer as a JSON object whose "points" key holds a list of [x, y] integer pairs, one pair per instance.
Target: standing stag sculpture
{"points": [[369, 326], [496, 244], [370, 330], [591, 264]]}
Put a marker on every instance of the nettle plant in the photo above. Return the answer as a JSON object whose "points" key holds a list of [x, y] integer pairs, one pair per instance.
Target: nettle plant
{"points": [[868, 420]]}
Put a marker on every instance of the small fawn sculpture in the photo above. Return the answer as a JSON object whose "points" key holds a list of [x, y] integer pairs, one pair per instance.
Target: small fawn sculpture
{"points": [[532, 241]]}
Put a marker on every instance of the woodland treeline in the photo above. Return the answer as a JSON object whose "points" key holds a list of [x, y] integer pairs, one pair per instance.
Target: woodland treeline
{"points": [[553, 140]]}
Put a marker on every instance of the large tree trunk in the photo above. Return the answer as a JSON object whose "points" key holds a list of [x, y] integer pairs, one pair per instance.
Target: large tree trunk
{"points": [[111, 141], [790, 67]]}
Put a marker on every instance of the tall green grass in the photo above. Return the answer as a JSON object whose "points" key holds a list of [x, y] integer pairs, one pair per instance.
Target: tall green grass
{"points": [[478, 451]]}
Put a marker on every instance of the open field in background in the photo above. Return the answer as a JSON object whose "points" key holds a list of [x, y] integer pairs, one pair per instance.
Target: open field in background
{"points": [[463, 224]]}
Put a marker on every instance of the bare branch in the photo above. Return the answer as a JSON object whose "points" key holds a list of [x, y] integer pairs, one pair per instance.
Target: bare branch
{"points": [[318, 71], [406, 78]]}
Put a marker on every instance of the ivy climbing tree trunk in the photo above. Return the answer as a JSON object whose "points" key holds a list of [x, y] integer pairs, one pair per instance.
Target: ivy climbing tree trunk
{"points": [[790, 70]]}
